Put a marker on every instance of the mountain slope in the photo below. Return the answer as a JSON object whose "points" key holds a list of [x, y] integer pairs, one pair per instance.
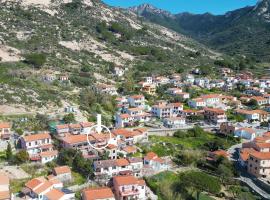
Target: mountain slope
{"points": [[83, 39], [243, 31]]}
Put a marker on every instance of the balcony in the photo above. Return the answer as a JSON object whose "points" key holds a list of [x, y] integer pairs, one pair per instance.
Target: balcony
{"points": [[130, 193]]}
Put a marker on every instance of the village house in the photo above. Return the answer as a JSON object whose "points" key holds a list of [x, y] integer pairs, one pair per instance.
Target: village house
{"points": [[156, 163], [123, 120], [246, 133], [161, 80], [112, 151], [129, 187], [215, 115], [5, 193], [131, 137], [244, 155], [63, 77], [189, 112], [227, 128], [165, 110], [254, 115], [108, 168], [103, 193], [259, 164], [138, 114], [196, 103], [62, 129], [79, 142], [5, 130], [136, 101], [62, 173], [149, 89], [174, 91], [260, 100], [43, 189], [212, 100], [183, 95], [49, 77], [75, 129], [136, 166], [39, 147], [174, 122], [107, 89]]}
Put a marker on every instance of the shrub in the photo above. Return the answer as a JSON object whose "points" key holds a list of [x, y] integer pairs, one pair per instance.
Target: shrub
{"points": [[35, 59]]}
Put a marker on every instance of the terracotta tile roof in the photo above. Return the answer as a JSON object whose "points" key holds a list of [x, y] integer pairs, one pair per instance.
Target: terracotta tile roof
{"points": [[135, 109], [39, 136], [135, 160], [127, 180], [74, 139], [5, 125], [130, 149], [123, 132], [33, 183], [74, 125], [48, 153], [97, 193], [150, 156], [176, 104], [87, 124], [215, 110], [46, 185], [208, 96], [263, 145], [197, 100], [259, 98], [54, 194], [137, 96], [111, 146], [4, 195], [124, 116], [4, 180], [121, 162], [62, 170], [261, 155], [244, 153], [62, 126]]}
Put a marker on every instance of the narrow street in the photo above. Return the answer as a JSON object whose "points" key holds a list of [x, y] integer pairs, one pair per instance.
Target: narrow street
{"points": [[254, 187]]}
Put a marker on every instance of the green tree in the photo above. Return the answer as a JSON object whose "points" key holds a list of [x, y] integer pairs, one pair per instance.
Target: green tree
{"points": [[9, 154], [199, 182], [69, 118], [35, 59], [21, 157]]}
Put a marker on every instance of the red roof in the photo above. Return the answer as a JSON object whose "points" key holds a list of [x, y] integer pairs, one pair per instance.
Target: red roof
{"points": [[5, 125], [35, 137], [97, 193]]}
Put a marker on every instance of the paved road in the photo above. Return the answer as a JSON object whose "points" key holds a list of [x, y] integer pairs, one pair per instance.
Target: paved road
{"points": [[232, 150], [252, 185]]}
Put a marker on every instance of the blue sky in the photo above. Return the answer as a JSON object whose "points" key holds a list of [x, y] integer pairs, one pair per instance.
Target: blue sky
{"points": [[193, 6]]}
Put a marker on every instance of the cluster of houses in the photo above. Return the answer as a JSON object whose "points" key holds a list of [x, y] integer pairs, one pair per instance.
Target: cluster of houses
{"points": [[50, 187], [121, 172], [255, 156]]}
